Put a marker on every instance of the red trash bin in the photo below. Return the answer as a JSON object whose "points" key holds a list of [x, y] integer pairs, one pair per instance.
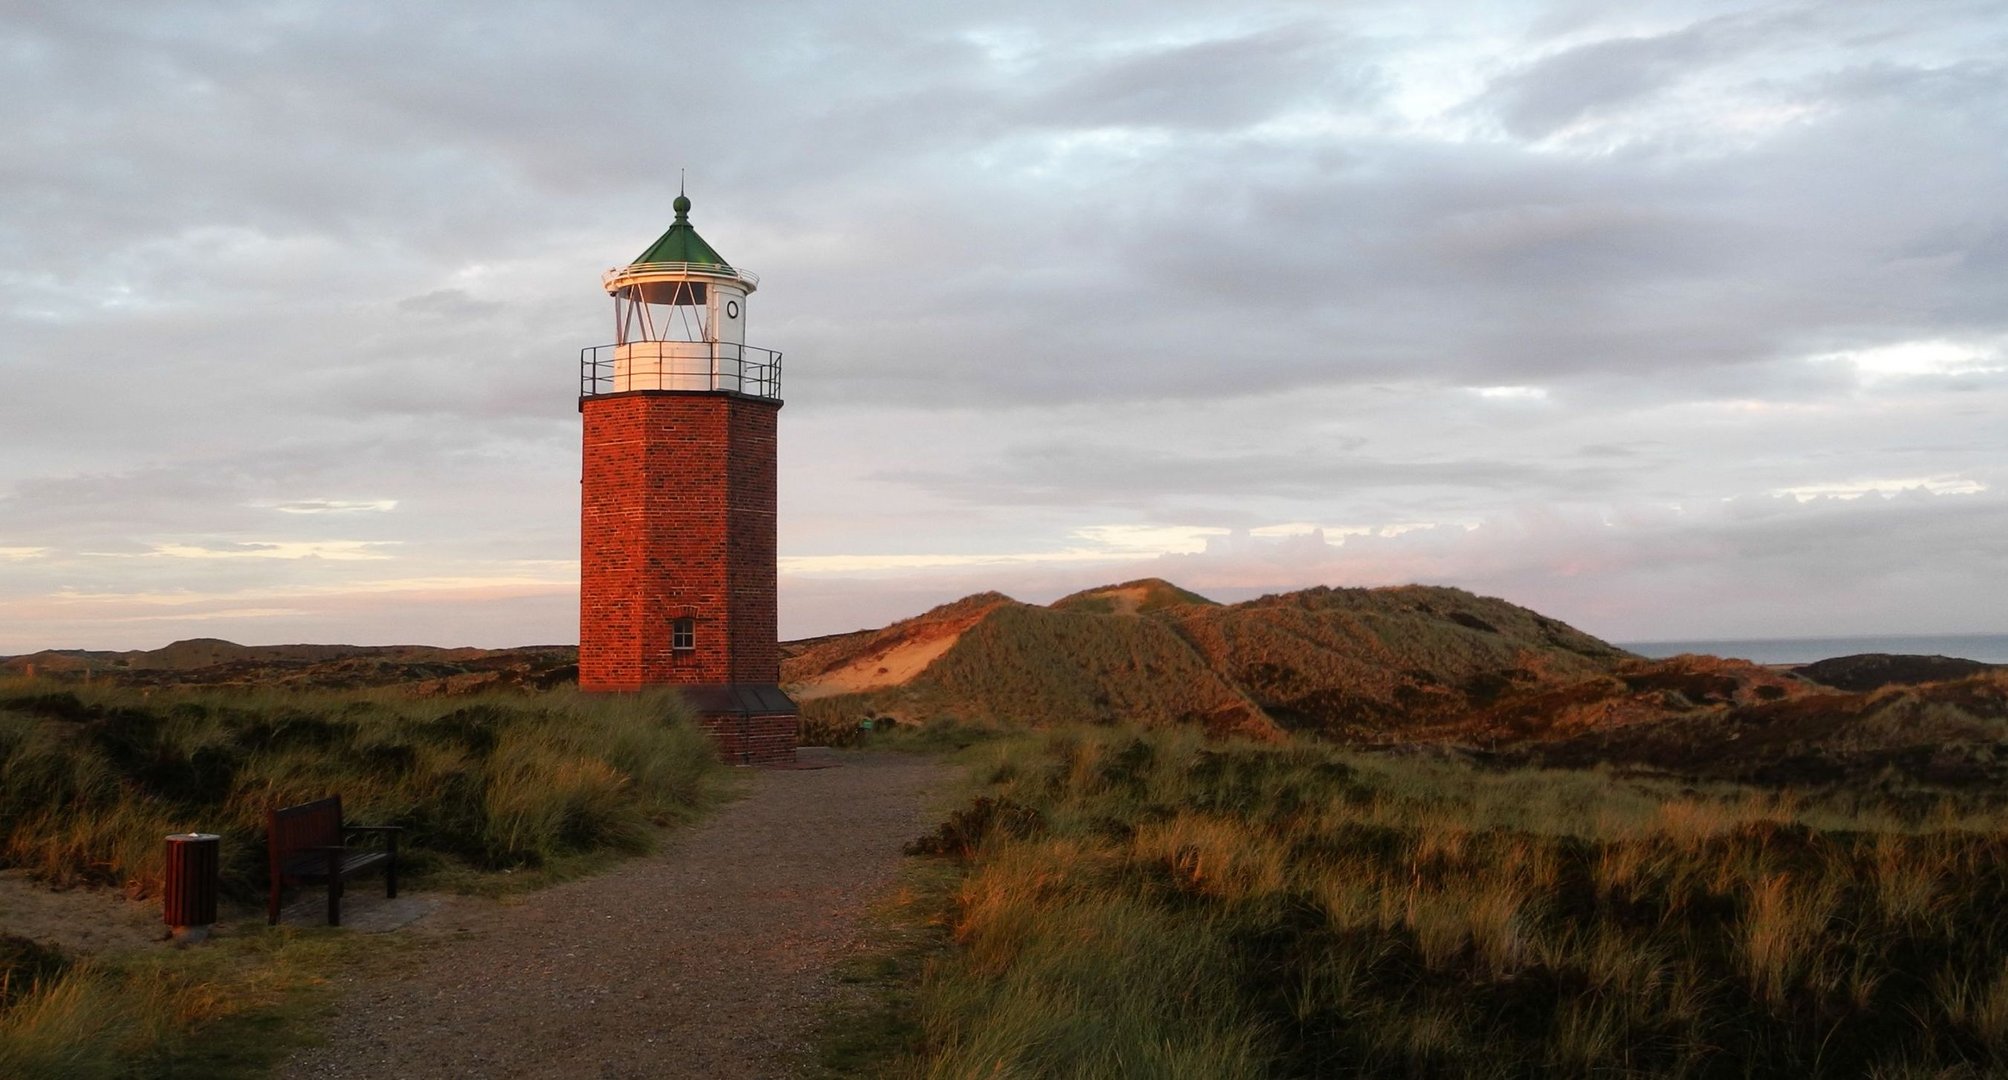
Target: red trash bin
{"points": [[189, 903]]}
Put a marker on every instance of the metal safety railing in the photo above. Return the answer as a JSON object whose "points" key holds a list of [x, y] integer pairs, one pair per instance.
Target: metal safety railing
{"points": [[679, 365], [679, 269]]}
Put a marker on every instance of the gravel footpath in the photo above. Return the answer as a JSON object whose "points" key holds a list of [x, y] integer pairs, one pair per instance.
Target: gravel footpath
{"points": [[709, 959]]}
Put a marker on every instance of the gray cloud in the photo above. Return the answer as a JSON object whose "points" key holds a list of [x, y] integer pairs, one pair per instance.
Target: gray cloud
{"points": [[1639, 577], [1035, 268], [1211, 85], [1060, 474], [1558, 90]]}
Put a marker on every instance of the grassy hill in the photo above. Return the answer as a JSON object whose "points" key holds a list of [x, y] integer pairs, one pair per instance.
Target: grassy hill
{"points": [[1130, 598], [1402, 666], [1947, 735], [1363, 663], [219, 663], [1370, 662], [1410, 666], [1075, 666]]}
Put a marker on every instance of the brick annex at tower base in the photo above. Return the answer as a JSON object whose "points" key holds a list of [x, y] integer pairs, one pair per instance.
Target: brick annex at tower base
{"points": [[678, 512]]}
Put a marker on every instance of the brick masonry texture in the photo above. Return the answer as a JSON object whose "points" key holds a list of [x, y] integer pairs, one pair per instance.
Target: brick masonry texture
{"points": [[768, 739], [677, 521]]}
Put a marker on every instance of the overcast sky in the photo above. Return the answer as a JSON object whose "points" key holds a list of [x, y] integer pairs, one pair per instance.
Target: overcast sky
{"points": [[1671, 320]]}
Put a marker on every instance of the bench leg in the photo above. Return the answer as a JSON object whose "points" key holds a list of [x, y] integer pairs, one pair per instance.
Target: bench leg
{"points": [[335, 900], [390, 878]]}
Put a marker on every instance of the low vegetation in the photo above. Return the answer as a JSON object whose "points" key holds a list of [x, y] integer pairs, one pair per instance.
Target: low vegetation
{"points": [[1389, 665], [1149, 903], [233, 1008], [1015, 661], [92, 778]]}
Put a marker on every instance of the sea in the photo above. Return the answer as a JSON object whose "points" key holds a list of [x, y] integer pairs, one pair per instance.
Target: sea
{"points": [[1986, 648]]}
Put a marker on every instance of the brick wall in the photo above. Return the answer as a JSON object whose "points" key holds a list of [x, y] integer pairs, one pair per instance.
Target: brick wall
{"points": [[677, 520], [750, 545], [768, 739]]}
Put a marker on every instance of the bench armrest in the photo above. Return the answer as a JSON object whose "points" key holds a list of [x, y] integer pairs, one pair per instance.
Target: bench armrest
{"points": [[387, 832]]}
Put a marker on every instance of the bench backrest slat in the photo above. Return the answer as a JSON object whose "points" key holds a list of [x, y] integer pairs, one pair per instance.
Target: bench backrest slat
{"points": [[308, 825]]}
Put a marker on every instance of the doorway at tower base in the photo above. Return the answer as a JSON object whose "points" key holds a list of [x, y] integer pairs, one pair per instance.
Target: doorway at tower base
{"points": [[753, 724]]}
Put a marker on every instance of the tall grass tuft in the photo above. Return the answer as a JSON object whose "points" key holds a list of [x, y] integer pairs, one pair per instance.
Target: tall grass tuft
{"points": [[229, 1010], [77, 1025]]}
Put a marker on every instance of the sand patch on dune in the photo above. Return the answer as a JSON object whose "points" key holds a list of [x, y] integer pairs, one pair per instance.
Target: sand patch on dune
{"points": [[876, 660], [877, 670], [1127, 601]]}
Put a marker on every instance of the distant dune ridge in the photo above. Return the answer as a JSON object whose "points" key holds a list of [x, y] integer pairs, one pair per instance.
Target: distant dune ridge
{"points": [[1405, 665], [1341, 661], [214, 662], [1410, 665]]}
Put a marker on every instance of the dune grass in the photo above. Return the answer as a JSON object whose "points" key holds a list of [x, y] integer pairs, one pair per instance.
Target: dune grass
{"points": [[1153, 904], [92, 778], [1021, 663], [495, 792], [233, 1008]]}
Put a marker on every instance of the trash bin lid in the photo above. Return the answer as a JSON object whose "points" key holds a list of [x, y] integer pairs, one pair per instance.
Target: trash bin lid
{"points": [[193, 837]]}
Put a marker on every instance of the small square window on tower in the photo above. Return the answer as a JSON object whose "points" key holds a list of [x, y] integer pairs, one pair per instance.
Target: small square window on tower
{"points": [[683, 634]]}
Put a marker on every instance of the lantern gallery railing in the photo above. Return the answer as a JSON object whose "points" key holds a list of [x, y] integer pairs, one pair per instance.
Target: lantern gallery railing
{"points": [[679, 365], [678, 269]]}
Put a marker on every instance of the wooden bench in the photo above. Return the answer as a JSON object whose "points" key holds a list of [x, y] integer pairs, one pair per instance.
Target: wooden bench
{"points": [[308, 844]]}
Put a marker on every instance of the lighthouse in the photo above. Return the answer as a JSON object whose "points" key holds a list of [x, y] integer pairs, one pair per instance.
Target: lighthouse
{"points": [[677, 519]]}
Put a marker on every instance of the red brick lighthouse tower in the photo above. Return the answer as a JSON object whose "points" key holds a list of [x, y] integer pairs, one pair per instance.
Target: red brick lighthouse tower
{"points": [[677, 559]]}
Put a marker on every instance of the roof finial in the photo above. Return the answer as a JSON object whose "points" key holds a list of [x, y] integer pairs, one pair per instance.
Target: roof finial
{"points": [[682, 203]]}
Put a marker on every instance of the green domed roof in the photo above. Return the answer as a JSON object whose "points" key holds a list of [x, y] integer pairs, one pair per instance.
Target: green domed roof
{"points": [[681, 244]]}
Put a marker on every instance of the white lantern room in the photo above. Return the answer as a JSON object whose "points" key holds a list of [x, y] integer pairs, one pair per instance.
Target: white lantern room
{"points": [[680, 323]]}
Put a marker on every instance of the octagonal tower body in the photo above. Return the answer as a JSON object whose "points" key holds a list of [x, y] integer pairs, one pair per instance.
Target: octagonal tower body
{"points": [[677, 522]]}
